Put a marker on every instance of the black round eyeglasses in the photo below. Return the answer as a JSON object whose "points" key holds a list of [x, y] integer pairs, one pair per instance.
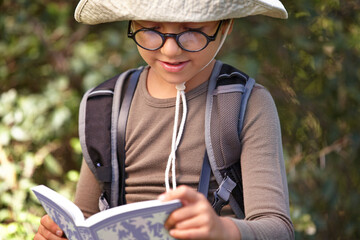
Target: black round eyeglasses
{"points": [[191, 40]]}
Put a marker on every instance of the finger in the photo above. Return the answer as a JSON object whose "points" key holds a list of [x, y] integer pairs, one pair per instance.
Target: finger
{"points": [[178, 216], [201, 208], [189, 211], [184, 193], [195, 222], [49, 224], [49, 229], [193, 233], [38, 236], [218, 229], [44, 233]]}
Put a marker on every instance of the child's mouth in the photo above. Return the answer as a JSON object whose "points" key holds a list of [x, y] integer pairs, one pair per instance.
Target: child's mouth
{"points": [[173, 66]]}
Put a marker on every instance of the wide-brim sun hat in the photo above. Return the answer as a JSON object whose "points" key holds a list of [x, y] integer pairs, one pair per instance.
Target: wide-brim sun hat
{"points": [[102, 11]]}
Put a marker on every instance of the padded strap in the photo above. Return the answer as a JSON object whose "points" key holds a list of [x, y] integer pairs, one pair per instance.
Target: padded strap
{"points": [[121, 127], [244, 100], [229, 179], [205, 176]]}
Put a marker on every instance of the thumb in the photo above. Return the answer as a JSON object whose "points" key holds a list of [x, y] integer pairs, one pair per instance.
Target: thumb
{"points": [[184, 193]]}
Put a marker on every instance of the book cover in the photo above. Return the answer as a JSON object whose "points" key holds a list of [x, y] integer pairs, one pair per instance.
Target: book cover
{"points": [[141, 220]]}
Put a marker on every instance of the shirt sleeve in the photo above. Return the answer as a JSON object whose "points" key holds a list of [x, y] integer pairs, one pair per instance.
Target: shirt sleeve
{"points": [[87, 192], [266, 198]]}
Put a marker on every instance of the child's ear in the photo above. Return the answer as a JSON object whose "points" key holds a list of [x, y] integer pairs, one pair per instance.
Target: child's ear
{"points": [[231, 22]]}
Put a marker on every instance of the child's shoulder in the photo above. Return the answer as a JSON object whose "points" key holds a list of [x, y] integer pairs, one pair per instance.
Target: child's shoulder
{"points": [[260, 92], [261, 100]]}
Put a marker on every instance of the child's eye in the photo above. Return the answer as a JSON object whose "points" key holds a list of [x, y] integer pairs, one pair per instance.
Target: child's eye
{"points": [[147, 25], [153, 28], [150, 27], [195, 29]]}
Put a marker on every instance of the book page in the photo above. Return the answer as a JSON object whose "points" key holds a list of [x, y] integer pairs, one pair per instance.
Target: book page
{"points": [[126, 208], [144, 221], [53, 199]]}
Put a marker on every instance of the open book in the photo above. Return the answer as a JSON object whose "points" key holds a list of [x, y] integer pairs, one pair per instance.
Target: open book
{"points": [[141, 220]]}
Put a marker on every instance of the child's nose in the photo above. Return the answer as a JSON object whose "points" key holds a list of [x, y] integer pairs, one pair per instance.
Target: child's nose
{"points": [[170, 47]]}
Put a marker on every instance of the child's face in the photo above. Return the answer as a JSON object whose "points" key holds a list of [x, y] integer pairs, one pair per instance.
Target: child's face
{"points": [[171, 64]]}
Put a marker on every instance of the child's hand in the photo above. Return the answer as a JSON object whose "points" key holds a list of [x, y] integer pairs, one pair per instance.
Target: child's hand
{"points": [[48, 229], [197, 219]]}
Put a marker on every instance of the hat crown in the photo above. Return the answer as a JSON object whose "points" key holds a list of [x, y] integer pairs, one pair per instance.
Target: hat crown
{"points": [[100, 11]]}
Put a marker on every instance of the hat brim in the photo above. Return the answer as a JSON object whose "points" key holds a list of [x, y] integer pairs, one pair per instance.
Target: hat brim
{"points": [[102, 11]]}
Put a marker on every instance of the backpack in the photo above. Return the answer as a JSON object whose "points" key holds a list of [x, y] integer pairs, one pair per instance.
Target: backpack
{"points": [[102, 124]]}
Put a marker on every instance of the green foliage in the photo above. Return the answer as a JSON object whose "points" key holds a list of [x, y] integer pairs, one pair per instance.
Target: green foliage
{"points": [[308, 62], [31, 126]]}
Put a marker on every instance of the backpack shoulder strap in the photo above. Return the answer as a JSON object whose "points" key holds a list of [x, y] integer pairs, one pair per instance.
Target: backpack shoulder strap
{"points": [[120, 131], [228, 94], [98, 121]]}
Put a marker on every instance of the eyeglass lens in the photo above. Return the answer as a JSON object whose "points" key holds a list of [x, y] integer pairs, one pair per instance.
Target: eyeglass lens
{"points": [[189, 40]]}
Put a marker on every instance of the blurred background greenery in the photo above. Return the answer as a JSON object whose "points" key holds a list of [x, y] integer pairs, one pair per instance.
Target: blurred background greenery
{"points": [[310, 63]]}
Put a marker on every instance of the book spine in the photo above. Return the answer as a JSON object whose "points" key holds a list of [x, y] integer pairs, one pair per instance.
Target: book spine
{"points": [[61, 218]]}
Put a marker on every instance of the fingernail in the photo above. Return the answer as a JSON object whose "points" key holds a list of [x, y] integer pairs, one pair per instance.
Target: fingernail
{"points": [[171, 232], [59, 233], [161, 197]]}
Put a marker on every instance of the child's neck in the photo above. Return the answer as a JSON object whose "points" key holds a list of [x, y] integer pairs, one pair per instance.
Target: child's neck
{"points": [[161, 89]]}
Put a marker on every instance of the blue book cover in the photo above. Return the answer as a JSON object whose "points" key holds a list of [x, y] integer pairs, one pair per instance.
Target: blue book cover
{"points": [[141, 220]]}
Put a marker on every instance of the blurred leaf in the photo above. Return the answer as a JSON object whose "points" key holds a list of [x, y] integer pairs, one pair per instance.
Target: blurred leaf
{"points": [[53, 166]]}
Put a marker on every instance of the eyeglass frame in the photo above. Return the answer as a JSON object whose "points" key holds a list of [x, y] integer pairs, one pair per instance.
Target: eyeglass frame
{"points": [[176, 36]]}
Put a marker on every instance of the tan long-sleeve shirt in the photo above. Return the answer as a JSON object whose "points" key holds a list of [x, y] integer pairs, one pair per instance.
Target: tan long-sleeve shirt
{"points": [[148, 144]]}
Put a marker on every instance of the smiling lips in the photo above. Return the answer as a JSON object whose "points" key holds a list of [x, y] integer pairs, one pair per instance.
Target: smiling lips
{"points": [[173, 66]]}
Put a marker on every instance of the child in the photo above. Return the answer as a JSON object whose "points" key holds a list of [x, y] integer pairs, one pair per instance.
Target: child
{"points": [[179, 41]]}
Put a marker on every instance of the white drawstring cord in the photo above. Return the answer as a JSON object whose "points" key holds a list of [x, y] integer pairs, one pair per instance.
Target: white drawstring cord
{"points": [[176, 136]]}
